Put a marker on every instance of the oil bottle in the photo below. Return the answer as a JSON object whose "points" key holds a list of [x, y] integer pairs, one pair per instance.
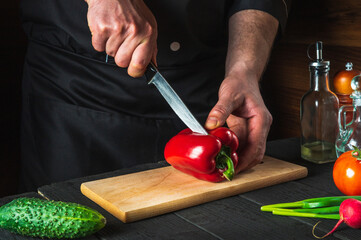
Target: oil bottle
{"points": [[319, 113], [350, 131]]}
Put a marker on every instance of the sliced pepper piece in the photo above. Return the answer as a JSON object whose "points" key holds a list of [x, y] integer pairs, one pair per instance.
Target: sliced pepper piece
{"points": [[209, 157]]}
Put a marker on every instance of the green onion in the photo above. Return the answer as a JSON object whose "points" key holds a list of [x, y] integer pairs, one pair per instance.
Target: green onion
{"points": [[323, 207], [310, 203], [305, 214], [328, 210]]}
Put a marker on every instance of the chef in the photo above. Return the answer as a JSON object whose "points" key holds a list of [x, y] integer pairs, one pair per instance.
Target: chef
{"points": [[87, 107]]}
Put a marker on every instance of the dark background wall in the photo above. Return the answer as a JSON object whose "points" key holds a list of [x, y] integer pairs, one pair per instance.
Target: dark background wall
{"points": [[335, 22], [12, 50]]}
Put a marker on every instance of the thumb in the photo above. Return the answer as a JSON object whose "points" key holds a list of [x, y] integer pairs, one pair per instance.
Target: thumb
{"points": [[219, 114]]}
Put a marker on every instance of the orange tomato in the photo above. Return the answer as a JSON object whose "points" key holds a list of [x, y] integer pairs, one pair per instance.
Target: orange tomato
{"points": [[342, 81], [347, 173]]}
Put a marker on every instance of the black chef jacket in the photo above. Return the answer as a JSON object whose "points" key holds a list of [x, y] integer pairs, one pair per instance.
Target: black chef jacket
{"points": [[83, 115]]}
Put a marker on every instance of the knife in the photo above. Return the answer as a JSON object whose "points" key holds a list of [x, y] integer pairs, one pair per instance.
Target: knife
{"points": [[175, 102]]}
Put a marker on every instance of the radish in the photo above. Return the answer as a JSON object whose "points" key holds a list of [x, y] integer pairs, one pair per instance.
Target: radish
{"points": [[350, 213]]}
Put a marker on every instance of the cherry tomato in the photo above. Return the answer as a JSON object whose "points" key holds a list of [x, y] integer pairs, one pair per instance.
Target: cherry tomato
{"points": [[347, 173], [342, 81]]}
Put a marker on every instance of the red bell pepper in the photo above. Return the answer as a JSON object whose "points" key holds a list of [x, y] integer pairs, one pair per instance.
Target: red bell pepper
{"points": [[209, 157]]}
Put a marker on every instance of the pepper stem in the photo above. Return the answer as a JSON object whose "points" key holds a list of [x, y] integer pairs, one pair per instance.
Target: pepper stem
{"points": [[224, 160]]}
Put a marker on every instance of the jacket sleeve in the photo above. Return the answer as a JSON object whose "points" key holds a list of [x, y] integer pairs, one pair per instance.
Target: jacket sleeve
{"points": [[277, 8]]}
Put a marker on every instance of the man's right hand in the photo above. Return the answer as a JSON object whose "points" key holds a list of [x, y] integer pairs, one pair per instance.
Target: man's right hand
{"points": [[125, 30]]}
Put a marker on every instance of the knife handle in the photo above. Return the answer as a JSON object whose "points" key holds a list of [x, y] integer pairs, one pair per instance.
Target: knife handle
{"points": [[150, 72]]}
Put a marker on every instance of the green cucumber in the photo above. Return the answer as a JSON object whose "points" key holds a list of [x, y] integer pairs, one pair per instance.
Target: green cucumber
{"points": [[51, 219]]}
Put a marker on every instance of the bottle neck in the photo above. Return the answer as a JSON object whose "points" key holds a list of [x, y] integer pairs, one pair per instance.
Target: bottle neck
{"points": [[357, 112], [319, 80], [356, 101]]}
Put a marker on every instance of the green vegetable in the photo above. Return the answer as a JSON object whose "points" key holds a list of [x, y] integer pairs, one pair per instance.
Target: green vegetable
{"points": [[306, 214], [310, 203], [51, 219], [333, 209], [324, 207]]}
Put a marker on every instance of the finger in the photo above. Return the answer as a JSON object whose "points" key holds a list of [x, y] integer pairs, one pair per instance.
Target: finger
{"points": [[140, 59], [252, 165], [253, 152], [112, 45], [98, 42], [100, 33], [125, 52], [238, 125], [220, 112], [248, 167], [248, 158]]}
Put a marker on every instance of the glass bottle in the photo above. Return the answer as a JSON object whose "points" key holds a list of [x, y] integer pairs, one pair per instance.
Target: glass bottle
{"points": [[319, 113], [350, 131]]}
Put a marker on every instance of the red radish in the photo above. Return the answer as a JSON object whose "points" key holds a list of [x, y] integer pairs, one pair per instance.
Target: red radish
{"points": [[350, 213]]}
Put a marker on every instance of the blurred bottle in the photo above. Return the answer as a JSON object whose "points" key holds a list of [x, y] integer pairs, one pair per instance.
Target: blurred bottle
{"points": [[342, 86], [350, 131], [319, 113]]}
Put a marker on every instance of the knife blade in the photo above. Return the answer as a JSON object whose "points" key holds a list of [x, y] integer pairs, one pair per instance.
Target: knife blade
{"points": [[175, 102]]}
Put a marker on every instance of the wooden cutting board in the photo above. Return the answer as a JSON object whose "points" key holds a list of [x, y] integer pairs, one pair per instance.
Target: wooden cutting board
{"points": [[150, 193]]}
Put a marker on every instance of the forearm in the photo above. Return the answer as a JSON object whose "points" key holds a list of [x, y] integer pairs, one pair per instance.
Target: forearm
{"points": [[251, 36]]}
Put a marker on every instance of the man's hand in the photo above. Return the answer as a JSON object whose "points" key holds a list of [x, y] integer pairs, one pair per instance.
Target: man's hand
{"points": [[125, 30], [240, 102], [242, 107]]}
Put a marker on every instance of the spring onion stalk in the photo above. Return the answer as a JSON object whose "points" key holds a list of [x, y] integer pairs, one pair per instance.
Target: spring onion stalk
{"points": [[328, 210], [310, 203], [323, 207], [305, 214]]}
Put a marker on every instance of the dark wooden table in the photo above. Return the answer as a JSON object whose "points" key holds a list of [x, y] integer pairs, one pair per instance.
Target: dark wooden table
{"points": [[237, 217]]}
